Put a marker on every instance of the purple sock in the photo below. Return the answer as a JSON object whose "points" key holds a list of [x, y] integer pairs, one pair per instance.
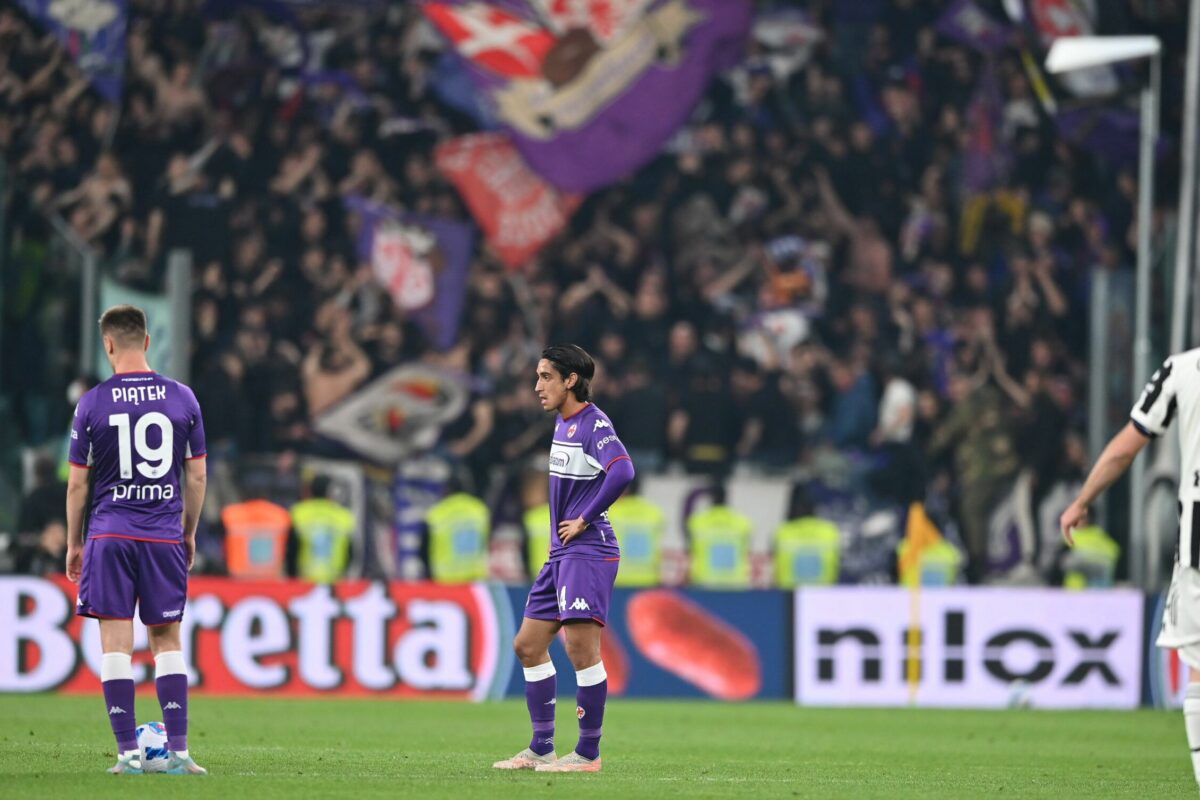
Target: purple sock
{"points": [[541, 690], [590, 700], [118, 699], [173, 698]]}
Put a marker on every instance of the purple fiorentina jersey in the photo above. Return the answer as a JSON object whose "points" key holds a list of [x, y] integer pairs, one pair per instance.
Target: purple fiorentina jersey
{"points": [[134, 431], [584, 447]]}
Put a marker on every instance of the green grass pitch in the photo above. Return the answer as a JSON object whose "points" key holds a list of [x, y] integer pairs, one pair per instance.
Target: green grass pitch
{"points": [[58, 747]]}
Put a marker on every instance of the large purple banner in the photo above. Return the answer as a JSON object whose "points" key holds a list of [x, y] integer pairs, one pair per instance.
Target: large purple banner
{"points": [[422, 261], [93, 34], [972, 26], [588, 99]]}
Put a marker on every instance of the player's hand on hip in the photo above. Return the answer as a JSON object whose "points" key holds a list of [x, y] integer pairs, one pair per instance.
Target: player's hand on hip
{"points": [[74, 563], [189, 543], [568, 529], [1074, 517]]}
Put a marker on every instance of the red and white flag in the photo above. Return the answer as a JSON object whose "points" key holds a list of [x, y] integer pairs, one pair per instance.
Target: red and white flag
{"points": [[517, 210], [607, 20], [502, 43]]}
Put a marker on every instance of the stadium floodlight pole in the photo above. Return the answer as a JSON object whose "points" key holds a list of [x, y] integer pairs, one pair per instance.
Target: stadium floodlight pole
{"points": [[1187, 239], [1080, 52]]}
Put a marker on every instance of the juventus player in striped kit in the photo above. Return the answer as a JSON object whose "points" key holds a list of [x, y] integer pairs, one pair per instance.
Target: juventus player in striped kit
{"points": [[589, 469], [1174, 390]]}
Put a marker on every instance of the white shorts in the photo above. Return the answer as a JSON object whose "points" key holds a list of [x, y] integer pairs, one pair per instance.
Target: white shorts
{"points": [[1181, 616]]}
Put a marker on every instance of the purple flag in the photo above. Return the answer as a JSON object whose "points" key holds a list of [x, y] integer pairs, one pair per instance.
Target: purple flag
{"points": [[454, 84], [93, 34], [588, 106], [985, 162], [969, 24], [422, 261], [1113, 134]]}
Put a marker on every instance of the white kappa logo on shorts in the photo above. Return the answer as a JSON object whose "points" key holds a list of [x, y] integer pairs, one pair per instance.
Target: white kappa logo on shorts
{"points": [[174, 613], [580, 605]]}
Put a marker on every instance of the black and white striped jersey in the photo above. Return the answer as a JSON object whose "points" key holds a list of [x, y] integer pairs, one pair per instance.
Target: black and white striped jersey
{"points": [[1174, 391]]}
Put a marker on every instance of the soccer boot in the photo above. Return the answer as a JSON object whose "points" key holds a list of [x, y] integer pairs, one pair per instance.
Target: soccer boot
{"points": [[184, 766], [526, 759], [128, 764], [572, 762]]}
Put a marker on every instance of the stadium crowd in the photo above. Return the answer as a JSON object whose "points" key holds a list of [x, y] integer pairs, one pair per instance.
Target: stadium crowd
{"points": [[809, 274]]}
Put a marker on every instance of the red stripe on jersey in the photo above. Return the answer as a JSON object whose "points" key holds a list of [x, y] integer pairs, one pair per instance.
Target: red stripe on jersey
{"points": [[577, 413], [133, 538], [193, 458], [615, 460], [81, 466]]}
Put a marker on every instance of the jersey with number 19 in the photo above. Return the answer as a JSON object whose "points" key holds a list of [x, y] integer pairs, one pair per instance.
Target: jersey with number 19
{"points": [[134, 432]]}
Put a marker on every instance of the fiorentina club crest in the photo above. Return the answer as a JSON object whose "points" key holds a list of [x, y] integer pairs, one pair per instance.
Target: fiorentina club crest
{"points": [[579, 712], [571, 430], [405, 260], [559, 77]]}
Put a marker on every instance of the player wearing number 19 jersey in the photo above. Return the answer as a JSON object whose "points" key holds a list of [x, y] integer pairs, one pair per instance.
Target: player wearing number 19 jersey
{"points": [[134, 436]]}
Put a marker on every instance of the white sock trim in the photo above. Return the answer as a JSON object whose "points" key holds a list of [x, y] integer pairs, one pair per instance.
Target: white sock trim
{"points": [[116, 667], [540, 672], [169, 663], [592, 675]]}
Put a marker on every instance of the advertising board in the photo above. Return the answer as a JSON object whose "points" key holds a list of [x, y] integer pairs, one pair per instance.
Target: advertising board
{"points": [[282, 637], [979, 647]]}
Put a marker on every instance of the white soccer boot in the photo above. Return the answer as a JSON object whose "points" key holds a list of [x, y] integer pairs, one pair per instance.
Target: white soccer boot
{"points": [[526, 759], [128, 764], [184, 766]]}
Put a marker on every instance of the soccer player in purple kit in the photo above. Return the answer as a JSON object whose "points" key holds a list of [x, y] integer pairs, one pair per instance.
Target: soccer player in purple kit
{"points": [[136, 434], [589, 469]]}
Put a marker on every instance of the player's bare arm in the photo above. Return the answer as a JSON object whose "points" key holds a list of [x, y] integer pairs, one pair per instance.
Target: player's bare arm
{"points": [[77, 498], [196, 473], [1116, 458]]}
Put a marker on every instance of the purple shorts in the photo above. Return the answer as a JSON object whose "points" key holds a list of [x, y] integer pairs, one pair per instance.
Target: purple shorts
{"points": [[120, 573], [572, 588]]}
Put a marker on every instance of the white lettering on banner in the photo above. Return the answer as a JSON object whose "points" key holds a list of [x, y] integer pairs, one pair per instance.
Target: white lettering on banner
{"points": [[433, 655], [205, 612], [315, 613], [39, 625], [242, 648], [429, 649], [371, 611], [1072, 649]]}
